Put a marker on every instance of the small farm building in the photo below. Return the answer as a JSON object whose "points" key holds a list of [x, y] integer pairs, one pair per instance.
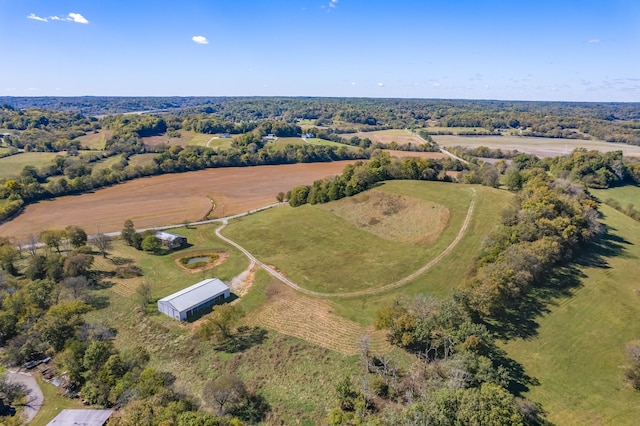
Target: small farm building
{"points": [[202, 295], [81, 417], [172, 241]]}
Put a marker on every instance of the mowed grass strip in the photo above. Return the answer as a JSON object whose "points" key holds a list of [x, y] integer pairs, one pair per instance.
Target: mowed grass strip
{"points": [[323, 252], [578, 352]]}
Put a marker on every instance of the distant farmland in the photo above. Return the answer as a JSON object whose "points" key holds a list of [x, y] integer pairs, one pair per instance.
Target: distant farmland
{"points": [[399, 136], [168, 199], [542, 147]]}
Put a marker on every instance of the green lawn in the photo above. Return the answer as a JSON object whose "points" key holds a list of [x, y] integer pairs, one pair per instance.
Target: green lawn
{"points": [[625, 195], [54, 403], [318, 141], [578, 352], [12, 166]]}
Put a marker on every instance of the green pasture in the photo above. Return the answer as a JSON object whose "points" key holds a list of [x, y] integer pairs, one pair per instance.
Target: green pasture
{"points": [[317, 141], [95, 140], [625, 195], [323, 252], [434, 130], [577, 351], [11, 166]]}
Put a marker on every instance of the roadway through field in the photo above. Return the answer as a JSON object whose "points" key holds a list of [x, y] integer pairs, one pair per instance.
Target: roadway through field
{"points": [[365, 292]]}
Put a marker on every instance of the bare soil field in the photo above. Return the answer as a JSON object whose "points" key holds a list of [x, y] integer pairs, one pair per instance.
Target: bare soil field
{"points": [[404, 154], [400, 136], [168, 199], [542, 147]]}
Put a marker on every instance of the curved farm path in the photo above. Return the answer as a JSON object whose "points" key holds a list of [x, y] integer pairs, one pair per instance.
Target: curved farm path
{"points": [[393, 285], [35, 397]]}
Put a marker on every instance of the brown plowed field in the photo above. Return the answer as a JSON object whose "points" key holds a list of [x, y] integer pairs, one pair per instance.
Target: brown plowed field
{"points": [[168, 199]]}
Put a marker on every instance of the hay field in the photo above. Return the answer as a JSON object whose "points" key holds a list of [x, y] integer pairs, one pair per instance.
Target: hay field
{"points": [[95, 140], [400, 136], [186, 138], [168, 199], [12, 166], [542, 147]]}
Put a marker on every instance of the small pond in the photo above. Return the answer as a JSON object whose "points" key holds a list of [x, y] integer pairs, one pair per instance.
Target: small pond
{"points": [[193, 260]]}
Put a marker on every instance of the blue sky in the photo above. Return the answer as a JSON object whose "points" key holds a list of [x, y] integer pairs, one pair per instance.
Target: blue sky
{"points": [[561, 50]]}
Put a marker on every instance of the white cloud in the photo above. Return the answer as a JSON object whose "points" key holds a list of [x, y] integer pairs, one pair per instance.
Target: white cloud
{"points": [[72, 17], [594, 41], [200, 39], [353, 83], [333, 3], [436, 85], [76, 17], [380, 84], [36, 18]]}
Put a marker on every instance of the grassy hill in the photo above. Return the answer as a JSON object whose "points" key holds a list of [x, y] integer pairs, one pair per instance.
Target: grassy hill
{"points": [[577, 354]]}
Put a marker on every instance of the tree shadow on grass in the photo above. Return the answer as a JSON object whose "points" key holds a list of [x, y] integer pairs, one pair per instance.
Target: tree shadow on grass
{"points": [[555, 288], [244, 338]]}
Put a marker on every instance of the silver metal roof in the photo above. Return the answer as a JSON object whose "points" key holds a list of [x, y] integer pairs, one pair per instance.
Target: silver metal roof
{"points": [[81, 417], [193, 296]]}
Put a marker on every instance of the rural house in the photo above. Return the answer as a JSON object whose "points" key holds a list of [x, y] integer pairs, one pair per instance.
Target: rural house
{"points": [[172, 241], [81, 417], [186, 302]]}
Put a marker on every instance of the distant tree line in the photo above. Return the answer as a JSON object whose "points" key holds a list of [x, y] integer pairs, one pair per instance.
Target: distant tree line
{"points": [[614, 122], [361, 176]]}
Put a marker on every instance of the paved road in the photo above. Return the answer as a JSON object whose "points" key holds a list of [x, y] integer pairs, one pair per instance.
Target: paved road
{"points": [[35, 398], [444, 151]]}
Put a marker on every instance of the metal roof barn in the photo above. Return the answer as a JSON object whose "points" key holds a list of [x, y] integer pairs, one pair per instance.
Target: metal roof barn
{"points": [[81, 417], [199, 296]]}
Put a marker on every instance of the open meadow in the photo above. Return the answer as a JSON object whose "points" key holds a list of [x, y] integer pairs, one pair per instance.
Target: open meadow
{"points": [[628, 195], [306, 338], [577, 350], [323, 247], [541, 147], [168, 199], [399, 136], [11, 166], [95, 140], [186, 138]]}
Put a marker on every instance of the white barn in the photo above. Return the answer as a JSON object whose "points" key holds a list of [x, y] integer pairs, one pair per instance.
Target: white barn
{"points": [[201, 295]]}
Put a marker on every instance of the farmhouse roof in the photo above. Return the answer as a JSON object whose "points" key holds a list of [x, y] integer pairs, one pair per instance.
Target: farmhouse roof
{"points": [[167, 236], [81, 417], [193, 296]]}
